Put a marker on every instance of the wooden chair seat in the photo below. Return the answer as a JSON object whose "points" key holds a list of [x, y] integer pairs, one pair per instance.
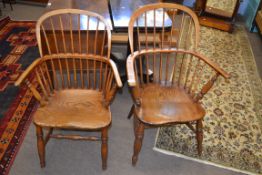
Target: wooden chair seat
{"points": [[161, 105], [74, 108]]}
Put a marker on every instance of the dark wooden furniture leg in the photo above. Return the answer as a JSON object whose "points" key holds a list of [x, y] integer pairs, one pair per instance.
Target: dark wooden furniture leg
{"points": [[199, 136], [139, 135], [104, 147], [131, 112], [40, 145]]}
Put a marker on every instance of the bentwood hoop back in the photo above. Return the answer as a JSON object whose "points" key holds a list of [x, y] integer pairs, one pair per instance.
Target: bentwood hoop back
{"points": [[163, 25], [73, 31]]}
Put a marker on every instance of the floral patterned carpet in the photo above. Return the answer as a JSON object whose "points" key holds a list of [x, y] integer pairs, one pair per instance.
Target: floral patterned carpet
{"points": [[233, 123]]}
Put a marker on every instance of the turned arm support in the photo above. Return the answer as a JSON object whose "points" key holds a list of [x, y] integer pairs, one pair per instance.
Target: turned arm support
{"points": [[24, 79]]}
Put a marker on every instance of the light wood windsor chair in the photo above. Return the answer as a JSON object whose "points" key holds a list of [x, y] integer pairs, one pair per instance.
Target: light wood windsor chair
{"points": [[76, 81], [181, 76]]}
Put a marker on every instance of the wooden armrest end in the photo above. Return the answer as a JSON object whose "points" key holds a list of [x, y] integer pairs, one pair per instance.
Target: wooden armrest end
{"points": [[116, 74], [130, 70], [27, 72]]}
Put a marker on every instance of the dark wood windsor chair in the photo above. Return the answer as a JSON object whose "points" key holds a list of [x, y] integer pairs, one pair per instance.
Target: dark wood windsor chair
{"points": [[181, 76]]}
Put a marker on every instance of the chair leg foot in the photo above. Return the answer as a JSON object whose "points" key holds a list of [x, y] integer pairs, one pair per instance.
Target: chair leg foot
{"points": [[199, 136], [139, 135], [104, 147], [40, 145], [131, 112]]}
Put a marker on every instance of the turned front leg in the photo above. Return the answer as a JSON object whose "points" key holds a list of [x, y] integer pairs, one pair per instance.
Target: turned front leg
{"points": [[40, 145], [139, 135], [104, 147]]}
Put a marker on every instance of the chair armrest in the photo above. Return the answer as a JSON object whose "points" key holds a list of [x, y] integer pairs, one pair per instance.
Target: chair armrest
{"points": [[116, 74], [27, 72], [130, 69]]}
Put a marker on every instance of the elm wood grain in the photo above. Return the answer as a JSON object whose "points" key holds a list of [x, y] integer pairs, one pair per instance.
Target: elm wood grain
{"points": [[74, 89], [175, 100], [173, 104]]}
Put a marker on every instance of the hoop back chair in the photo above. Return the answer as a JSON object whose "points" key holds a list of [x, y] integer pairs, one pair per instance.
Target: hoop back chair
{"points": [[73, 85], [167, 81]]}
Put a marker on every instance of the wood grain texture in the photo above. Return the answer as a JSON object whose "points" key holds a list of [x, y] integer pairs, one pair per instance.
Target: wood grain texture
{"points": [[74, 109], [161, 105]]}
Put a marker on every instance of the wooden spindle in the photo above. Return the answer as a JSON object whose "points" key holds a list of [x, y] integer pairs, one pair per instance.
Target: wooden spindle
{"points": [[48, 76], [105, 77], [87, 35], [71, 34], [173, 75], [181, 69], [188, 69], [188, 38], [163, 30], [46, 82], [173, 26], [75, 74], [41, 84], [88, 73], [145, 27], [138, 34], [54, 74], [103, 42], [141, 69], [46, 40], [167, 66], [154, 46], [79, 34], [199, 75], [68, 74], [61, 73], [95, 41], [154, 30], [62, 32], [54, 34], [94, 74], [147, 68], [100, 75], [81, 73], [181, 30], [191, 87]]}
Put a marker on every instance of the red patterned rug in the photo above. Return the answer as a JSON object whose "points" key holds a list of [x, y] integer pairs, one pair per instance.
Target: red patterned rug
{"points": [[18, 49]]}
